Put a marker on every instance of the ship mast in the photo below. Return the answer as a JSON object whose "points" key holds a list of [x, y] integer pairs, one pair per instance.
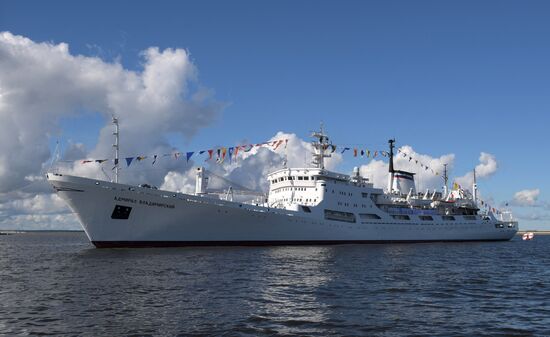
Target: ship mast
{"points": [[319, 148], [390, 169], [474, 188], [446, 180], [115, 145]]}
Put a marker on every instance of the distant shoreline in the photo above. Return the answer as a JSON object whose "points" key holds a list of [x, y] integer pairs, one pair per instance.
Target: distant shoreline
{"points": [[538, 232], [22, 231]]}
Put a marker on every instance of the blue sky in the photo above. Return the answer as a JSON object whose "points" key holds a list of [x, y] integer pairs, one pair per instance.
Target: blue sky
{"points": [[444, 77]]}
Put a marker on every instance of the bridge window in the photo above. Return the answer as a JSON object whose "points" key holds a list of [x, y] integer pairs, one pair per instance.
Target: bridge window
{"points": [[401, 217], [425, 218], [448, 217]]}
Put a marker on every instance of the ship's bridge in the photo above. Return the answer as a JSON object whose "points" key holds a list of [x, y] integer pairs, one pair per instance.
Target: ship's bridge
{"points": [[307, 186], [294, 185]]}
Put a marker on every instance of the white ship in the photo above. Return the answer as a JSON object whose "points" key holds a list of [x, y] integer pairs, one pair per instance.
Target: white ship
{"points": [[304, 206]]}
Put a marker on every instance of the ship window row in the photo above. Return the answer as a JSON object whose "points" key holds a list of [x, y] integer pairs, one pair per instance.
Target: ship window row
{"points": [[291, 178], [350, 217], [347, 204], [284, 189], [421, 217], [297, 199], [349, 194]]}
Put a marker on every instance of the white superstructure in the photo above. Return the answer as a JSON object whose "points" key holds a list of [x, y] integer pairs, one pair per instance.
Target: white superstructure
{"points": [[308, 205]]}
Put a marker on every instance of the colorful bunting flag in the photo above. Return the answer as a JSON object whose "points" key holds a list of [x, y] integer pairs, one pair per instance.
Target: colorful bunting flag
{"points": [[278, 144], [224, 152]]}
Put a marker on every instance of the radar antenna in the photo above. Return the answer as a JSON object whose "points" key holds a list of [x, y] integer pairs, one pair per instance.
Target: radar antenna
{"points": [[319, 148]]}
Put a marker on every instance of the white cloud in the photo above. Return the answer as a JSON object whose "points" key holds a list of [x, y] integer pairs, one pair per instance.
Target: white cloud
{"points": [[29, 211], [179, 182], [487, 167], [41, 203], [41, 83], [377, 170], [526, 197], [41, 221]]}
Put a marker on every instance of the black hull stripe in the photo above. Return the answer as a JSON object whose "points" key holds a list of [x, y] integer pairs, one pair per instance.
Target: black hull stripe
{"points": [[150, 244]]}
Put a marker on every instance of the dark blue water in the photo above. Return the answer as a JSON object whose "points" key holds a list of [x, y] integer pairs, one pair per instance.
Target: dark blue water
{"points": [[57, 284]]}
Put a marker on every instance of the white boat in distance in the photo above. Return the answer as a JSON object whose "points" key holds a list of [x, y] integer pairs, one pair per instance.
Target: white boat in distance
{"points": [[304, 206]]}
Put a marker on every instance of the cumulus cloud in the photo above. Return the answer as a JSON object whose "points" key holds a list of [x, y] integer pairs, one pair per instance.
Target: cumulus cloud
{"points": [[487, 167], [40, 203], [35, 211], [40, 83], [377, 170], [526, 197]]}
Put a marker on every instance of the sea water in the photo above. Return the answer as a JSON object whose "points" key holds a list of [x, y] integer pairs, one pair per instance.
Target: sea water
{"points": [[59, 284]]}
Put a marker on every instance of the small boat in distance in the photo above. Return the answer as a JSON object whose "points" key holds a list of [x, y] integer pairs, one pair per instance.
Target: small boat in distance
{"points": [[304, 206], [527, 236]]}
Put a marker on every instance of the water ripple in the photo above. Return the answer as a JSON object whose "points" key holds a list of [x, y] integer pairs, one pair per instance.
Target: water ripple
{"points": [[56, 284]]}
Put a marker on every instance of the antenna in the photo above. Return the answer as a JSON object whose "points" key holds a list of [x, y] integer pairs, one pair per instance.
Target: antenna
{"points": [[115, 145], [391, 142], [319, 148], [445, 179], [474, 188]]}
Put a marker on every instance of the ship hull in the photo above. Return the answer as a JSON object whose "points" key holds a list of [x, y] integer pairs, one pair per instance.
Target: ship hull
{"points": [[117, 215]]}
